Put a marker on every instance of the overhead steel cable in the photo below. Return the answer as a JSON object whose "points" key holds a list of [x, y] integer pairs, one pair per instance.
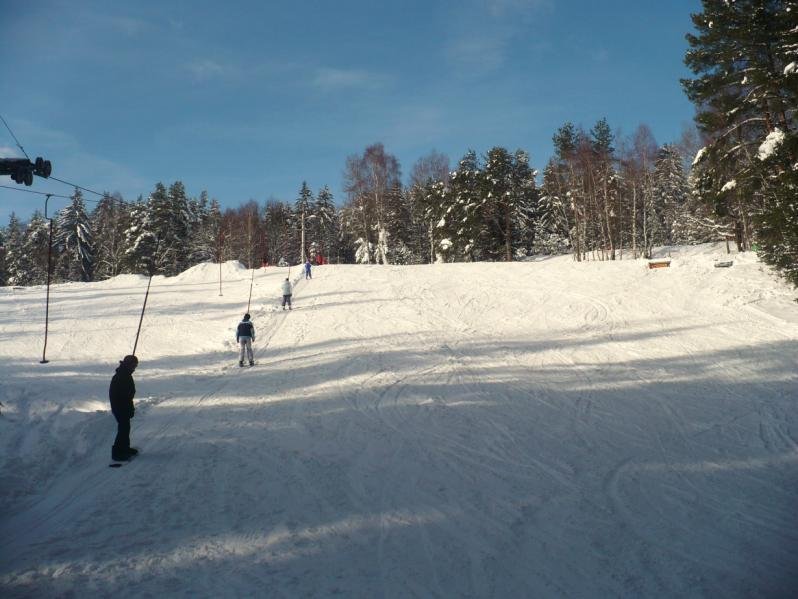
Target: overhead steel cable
{"points": [[19, 145], [102, 195], [41, 193]]}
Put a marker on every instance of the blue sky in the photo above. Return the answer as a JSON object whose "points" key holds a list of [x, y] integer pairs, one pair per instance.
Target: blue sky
{"points": [[248, 99]]}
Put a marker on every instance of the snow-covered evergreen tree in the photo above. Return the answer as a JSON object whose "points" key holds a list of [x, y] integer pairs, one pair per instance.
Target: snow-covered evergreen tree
{"points": [[35, 246], [325, 224], [778, 220], [456, 209], [696, 222], [509, 201], [669, 187], [205, 241], [302, 209], [110, 220], [15, 258], [75, 241], [744, 55], [553, 224], [140, 240]]}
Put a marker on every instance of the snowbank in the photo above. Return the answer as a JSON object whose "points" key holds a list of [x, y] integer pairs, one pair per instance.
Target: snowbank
{"points": [[207, 272]]}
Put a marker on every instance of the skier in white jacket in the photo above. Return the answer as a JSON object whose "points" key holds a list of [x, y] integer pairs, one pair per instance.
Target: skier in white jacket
{"points": [[286, 293]]}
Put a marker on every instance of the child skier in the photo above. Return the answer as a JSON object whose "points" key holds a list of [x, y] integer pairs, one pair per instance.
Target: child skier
{"points": [[245, 335], [121, 393], [307, 270], [286, 293]]}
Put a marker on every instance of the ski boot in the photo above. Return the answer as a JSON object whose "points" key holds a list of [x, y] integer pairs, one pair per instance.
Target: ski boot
{"points": [[119, 455]]}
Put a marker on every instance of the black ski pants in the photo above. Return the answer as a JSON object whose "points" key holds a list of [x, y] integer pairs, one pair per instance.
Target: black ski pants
{"points": [[122, 441]]}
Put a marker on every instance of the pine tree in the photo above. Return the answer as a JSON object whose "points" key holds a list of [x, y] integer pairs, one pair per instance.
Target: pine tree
{"points": [[15, 258], [778, 221], [110, 220], [669, 188], [140, 240], [601, 186], [302, 209], [206, 237], [746, 89], [75, 241], [35, 247], [525, 199], [459, 203], [553, 224], [177, 231], [508, 204], [326, 224], [695, 221]]}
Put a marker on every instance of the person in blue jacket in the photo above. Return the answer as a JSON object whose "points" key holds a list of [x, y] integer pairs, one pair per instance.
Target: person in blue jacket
{"points": [[307, 270], [245, 335]]}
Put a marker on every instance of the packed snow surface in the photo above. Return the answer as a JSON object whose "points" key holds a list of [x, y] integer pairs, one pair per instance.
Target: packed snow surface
{"points": [[534, 429]]}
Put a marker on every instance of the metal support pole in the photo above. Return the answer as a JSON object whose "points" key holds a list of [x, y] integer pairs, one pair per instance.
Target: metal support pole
{"points": [[221, 241], [251, 282], [44, 359], [146, 295]]}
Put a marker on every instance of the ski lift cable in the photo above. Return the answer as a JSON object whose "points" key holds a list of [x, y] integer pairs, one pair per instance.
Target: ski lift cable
{"points": [[52, 195], [102, 195], [57, 195], [19, 145], [251, 282]]}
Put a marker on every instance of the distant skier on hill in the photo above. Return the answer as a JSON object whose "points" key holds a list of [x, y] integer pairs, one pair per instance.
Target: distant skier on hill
{"points": [[286, 293], [307, 270], [121, 393], [245, 335]]}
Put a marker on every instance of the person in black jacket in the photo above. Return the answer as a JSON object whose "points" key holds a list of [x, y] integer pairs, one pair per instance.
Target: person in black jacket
{"points": [[245, 335], [121, 394]]}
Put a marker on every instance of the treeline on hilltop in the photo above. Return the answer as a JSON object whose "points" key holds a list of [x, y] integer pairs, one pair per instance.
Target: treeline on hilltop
{"points": [[594, 201], [601, 195]]}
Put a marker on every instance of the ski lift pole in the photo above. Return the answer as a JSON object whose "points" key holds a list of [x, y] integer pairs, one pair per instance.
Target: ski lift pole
{"points": [[219, 253], [44, 359], [251, 282], [146, 295]]}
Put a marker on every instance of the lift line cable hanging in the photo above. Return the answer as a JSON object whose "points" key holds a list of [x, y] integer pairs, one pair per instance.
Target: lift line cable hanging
{"points": [[58, 195], [251, 282], [19, 145], [97, 193], [41, 193], [144, 307]]}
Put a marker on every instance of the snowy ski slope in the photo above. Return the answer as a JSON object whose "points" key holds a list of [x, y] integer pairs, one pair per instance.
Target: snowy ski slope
{"points": [[536, 429]]}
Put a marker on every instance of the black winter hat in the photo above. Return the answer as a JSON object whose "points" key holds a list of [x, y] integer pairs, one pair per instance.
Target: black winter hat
{"points": [[130, 361], [246, 316]]}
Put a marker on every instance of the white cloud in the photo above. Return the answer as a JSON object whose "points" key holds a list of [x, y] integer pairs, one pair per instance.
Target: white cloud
{"points": [[8, 152], [484, 30], [331, 79], [478, 53], [500, 8], [203, 70], [128, 25]]}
